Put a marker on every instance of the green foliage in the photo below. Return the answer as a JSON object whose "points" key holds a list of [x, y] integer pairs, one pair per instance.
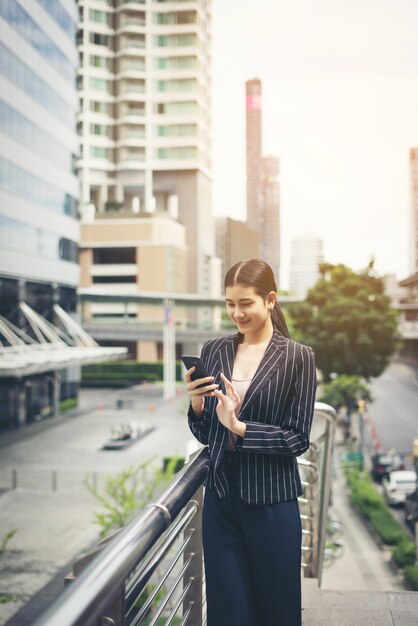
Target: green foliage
{"points": [[6, 599], [372, 504], [349, 322], [130, 490], [68, 404], [123, 373], [411, 575], [404, 553], [345, 391], [5, 540]]}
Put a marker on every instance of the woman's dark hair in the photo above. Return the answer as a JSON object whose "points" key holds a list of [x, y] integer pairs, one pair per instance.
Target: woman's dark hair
{"points": [[258, 274]]}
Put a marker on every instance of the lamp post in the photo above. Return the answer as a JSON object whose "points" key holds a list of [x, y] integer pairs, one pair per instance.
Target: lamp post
{"points": [[361, 411], [415, 455]]}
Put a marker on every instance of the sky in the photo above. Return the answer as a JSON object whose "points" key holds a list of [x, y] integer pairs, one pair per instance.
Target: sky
{"points": [[340, 110]]}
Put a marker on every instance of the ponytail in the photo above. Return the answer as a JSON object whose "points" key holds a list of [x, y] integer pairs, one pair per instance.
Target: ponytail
{"points": [[279, 321]]}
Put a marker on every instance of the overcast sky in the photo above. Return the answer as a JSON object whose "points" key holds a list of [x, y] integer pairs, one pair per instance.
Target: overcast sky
{"points": [[340, 110]]}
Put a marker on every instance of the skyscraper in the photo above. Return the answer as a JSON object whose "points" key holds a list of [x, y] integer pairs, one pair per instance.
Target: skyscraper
{"points": [[144, 123], [39, 228], [413, 162], [254, 153], [270, 228], [306, 254], [263, 201]]}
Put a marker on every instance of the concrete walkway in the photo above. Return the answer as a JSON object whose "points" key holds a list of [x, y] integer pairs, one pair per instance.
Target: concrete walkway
{"points": [[51, 508]]}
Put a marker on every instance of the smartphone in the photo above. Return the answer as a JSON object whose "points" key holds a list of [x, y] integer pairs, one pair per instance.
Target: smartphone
{"points": [[200, 371]]}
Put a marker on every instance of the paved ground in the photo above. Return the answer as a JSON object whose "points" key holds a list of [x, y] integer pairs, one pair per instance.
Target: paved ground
{"points": [[55, 526]]}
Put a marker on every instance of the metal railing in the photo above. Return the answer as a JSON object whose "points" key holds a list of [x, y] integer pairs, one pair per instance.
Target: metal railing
{"points": [[151, 572]]}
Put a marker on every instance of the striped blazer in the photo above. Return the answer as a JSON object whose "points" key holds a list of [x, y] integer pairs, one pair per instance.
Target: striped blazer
{"points": [[278, 410]]}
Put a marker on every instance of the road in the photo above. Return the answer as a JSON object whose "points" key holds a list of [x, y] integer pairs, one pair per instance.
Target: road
{"points": [[394, 411]]}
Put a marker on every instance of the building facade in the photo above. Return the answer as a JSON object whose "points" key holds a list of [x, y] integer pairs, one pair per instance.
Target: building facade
{"points": [[39, 228], [263, 198], [145, 129], [123, 253], [306, 254], [413, 163], [235, 241]]}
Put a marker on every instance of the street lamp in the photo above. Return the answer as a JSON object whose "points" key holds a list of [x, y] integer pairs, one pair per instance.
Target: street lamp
{"points": [[415, 455]]}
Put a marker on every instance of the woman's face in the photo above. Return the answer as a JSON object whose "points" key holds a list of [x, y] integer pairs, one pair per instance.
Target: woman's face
{"points": [[249, 311]]}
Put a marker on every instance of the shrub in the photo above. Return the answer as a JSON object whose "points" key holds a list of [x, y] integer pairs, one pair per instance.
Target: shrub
{"points": [[411, 575], [123, 373], [387, 527], [68, 404], [404, 553]]}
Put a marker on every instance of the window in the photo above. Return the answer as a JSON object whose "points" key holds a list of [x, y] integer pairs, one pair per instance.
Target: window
{"points": [[99, 153], [98, 16], [114, 256], [177, 130], [114, 279], [99, 129], [177, 153], [98, 61], [101, 107], [99, 84], [99, 40]]}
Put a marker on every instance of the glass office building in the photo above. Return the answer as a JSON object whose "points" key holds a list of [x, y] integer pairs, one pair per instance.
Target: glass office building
{"points": [[39, 226]]}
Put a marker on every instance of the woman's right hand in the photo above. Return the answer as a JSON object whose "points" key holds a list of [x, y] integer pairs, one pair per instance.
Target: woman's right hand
{"points": [[196, 393]]}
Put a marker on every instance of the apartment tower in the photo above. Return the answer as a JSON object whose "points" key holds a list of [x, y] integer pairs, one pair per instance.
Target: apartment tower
{"points": [[413, 161], [144, 123]]}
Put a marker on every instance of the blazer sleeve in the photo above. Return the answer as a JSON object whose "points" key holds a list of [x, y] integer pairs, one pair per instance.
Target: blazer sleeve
{"points": [[200, 427], [292, 438]]}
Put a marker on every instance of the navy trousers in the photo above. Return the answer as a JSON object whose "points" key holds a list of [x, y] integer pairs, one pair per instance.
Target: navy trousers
{"points": [[252, 559]]}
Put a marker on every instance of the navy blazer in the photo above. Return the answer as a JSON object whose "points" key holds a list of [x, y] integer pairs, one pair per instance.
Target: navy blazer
{"points": [[278, 410]]}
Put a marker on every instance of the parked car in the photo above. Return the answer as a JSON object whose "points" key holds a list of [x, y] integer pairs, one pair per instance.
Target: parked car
{"points": [[383, 463], [411, 510], [398, 486]]}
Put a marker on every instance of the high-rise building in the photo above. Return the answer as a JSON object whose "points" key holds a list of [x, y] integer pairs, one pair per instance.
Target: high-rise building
{"points": [[306, 254], [235, 241], [39, 228], [263, 201], [254, 153], [145, 128], [270, 233], [413, 161]]}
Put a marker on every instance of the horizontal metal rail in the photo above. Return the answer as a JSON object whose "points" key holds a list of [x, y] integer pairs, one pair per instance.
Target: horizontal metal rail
{"points": [[87, 598], [123, 583]]}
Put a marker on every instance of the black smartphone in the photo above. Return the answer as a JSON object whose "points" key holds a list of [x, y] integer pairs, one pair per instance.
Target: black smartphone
{"points": [[200, 371]]}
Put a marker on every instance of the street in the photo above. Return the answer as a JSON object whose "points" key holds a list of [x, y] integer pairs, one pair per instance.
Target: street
{"points": [[394, 411]]}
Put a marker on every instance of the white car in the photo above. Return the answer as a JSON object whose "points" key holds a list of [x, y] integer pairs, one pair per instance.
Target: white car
{"points": [[401, 483]]}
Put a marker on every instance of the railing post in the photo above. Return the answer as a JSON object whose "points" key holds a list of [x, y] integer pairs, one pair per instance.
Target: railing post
{"points": [[192, 603]]}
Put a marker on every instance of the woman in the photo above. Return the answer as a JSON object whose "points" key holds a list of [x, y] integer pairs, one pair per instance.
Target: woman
{"points": [[255, 414]]}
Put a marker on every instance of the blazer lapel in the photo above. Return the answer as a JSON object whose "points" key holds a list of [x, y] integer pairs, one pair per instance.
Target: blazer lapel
{"points": [[269, 364], [227, 355]]}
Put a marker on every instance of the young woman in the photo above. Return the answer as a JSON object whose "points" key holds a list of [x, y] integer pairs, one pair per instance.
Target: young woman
{"points": [[255, 414]]}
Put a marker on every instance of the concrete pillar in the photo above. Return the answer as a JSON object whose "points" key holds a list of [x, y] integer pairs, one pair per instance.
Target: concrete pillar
{"points": [[21, 405], [56, 388]]}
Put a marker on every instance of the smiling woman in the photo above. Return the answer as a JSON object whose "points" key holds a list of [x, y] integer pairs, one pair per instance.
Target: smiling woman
{"points": [[254, 411]]}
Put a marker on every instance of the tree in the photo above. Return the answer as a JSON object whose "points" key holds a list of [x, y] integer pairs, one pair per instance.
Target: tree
{"points": [[345, 391], [349, 322]]}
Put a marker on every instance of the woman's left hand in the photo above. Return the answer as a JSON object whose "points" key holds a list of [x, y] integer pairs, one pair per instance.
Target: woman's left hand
{"points": [[225, 409]]}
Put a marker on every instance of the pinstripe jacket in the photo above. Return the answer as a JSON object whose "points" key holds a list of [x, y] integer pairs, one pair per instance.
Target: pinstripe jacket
{"points": [[278, 410]]}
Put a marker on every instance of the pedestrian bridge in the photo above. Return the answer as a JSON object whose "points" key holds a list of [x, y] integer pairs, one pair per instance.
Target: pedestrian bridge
{"points": [[151, 572]]}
